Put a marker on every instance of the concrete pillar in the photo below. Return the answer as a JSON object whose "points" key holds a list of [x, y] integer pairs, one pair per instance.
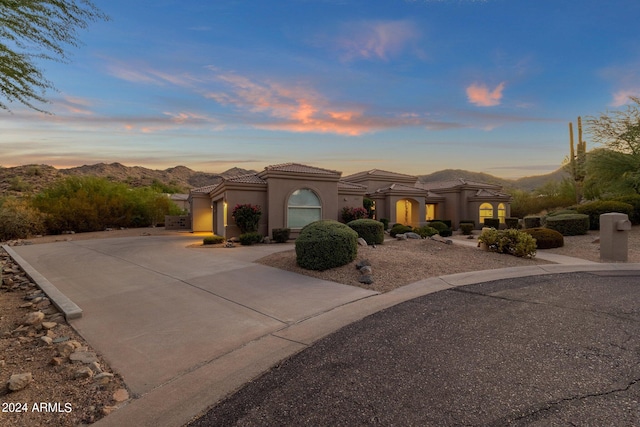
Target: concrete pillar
{"points": [[614, 236]]}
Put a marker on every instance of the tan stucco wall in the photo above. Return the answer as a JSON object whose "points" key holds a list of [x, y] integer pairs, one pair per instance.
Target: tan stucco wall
{"points": [[348, 201], [201, 213], [280, 189]]}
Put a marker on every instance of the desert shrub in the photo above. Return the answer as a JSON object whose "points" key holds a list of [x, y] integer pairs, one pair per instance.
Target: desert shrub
{"points": [[569, 224], [545, 237], [468, 221], [212, 240], [370, 230], [562, 212], [351, 214], [466, 228], [280, 235], [511, 222], [425, 231], [633, 200], [438, 225], [596, 208], [326, 244], [247, 217], [510, 241], [369, 205], [446, 222], [385, 222], [399, 229], [248, 239], [445, 233], [492, 222], [19, 220], [532, 221]]}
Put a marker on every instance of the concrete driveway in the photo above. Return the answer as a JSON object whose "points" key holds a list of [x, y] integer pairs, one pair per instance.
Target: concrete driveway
{"points": [[156, 309]]}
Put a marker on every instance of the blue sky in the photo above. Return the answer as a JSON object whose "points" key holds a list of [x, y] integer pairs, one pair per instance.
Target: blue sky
{"points": [[409, 86]]}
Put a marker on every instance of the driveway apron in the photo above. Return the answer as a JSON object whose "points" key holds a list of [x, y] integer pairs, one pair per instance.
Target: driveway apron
{"points": [[156, 309]]}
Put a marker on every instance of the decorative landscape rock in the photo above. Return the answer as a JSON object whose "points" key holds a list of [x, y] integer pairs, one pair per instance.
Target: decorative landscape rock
{"points": [[84, 372], [33, 318], [362, 263], [365, 269], [412, 235], [362, 242], [121, 395], [366, 279], [19, 381], [401, 237], [83, 356]]}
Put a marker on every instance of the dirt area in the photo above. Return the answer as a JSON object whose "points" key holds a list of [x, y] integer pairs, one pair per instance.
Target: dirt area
{"points": [[394, 264]]}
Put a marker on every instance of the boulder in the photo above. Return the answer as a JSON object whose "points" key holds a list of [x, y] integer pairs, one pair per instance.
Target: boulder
{"points": [[19, 381], [412, 235], [401, 237], [365, 269], [33, 318], [366, 279], [362, 242], [362, 263]]}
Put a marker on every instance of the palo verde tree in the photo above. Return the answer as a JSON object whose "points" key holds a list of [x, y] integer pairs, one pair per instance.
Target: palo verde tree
{"points": [[614, 168], [34, 30]]}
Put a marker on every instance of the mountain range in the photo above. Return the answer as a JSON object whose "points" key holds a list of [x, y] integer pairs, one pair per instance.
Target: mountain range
{"points": [[26, 179]]}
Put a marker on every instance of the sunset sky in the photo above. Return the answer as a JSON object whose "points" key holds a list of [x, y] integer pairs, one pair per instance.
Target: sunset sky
{"points": [[411, 86]]}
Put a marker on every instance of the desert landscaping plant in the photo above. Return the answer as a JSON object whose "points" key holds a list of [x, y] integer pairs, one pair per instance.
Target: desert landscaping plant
{"points": [[280, 235], [248, 239], [212, 240], [569, 224], [247, 217], [326, 244], [545, 237], [18, 220], [399, 229], [509, 241], [348, 214], [425, 231], [596, 208], [466, 228], [370, 230]]}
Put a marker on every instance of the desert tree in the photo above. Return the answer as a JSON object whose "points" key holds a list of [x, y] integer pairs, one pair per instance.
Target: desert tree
{"points": [[614, 167], [33, 30]]}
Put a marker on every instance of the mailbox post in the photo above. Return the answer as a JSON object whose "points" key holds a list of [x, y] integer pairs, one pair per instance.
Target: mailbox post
{"points": [[614, 237]]}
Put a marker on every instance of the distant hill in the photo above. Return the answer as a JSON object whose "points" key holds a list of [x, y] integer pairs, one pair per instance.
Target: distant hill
{"points": [[28, 179], [33, 178], [528, 183]]}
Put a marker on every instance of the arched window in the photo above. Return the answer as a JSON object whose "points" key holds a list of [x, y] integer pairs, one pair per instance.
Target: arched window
{"points": [[502, 212], [486, 211], [303, 208]]}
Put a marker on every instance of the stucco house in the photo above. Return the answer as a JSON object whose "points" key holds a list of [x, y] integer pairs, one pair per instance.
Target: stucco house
{"points": [[292, 195]]}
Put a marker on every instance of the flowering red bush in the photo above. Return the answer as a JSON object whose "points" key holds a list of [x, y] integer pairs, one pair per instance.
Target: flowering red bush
{"points": [[247, 217], [350, 214]]}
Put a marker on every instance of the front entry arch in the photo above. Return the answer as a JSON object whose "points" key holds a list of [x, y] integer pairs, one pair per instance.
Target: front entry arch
{"points": [[407, 212]]}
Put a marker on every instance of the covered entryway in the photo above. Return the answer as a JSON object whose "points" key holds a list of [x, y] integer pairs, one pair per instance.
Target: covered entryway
{"points": [[408, 211]]}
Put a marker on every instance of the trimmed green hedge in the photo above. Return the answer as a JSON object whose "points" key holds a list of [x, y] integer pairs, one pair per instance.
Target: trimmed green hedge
{"points": [[212, 240], [511, 222], [532, 221], [385, 223], [599, 207], [466, 228], [248, 239], [545, 237], [569, 225], [326, 244], [438, 225], [425, 231], [370, 230], [633, 200], [280, 235], [399, 229], [492, 222], [447, 222]]}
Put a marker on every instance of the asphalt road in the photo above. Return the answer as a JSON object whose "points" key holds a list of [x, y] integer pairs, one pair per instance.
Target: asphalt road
{"points": [[559, 349]]}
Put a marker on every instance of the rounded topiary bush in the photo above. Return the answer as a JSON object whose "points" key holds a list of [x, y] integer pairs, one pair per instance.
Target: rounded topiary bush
{"points": [[599, 207], [399, 229], [326, 244], [425, 231], [212, 240], [569, 225], [466, 228], [532, 221], [633, 200], [545, 237], [370, 230], [438, 225]]}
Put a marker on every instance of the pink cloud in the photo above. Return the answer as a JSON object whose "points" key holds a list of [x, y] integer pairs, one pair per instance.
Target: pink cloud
{"points": [[480, 95], [621, 97]]}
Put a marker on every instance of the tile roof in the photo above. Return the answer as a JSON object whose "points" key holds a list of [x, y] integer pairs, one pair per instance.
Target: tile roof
{"points": [[351, 185], [400, 187], [204, 190], [300, 168], [439, 185], [250, 178], [381, 173]]}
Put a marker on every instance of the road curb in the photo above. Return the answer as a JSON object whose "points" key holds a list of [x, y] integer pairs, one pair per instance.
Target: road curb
{"points": [[58, 299]]}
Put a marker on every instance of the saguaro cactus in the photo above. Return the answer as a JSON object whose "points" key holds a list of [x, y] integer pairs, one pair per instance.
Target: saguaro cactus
{"points": [[577, 159]]}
